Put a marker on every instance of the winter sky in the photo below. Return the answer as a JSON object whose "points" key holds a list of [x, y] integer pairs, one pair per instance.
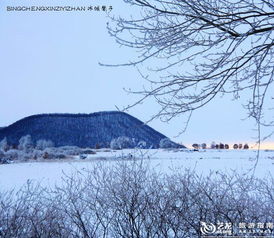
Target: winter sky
{"points": [[49, 64]]}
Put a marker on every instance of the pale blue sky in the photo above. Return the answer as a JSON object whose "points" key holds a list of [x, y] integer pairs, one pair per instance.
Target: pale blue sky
{"points": [[49, 64]]}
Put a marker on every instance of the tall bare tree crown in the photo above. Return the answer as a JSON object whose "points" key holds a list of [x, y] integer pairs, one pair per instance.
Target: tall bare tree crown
{"points": [[201, 49]]}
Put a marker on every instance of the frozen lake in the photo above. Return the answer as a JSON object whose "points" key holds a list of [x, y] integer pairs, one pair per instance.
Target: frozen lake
{"points": [[49, 173]]}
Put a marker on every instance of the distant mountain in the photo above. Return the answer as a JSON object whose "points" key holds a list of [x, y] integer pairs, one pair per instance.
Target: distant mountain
{"points": [[83, 130]]}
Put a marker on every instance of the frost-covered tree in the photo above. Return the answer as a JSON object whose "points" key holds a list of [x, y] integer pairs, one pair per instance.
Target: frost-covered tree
{"points": [[4, 145], [196, 146], [141, 144], [203, 146], [15, 155], [43, 144], [166, 143], [122, 142], [25, 143]]}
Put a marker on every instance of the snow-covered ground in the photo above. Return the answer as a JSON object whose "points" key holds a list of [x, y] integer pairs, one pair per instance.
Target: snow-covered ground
{"points": [[49, 173]]}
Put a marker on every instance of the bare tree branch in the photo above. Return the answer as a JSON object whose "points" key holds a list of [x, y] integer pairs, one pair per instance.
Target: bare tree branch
{"points": [[198, 50]]}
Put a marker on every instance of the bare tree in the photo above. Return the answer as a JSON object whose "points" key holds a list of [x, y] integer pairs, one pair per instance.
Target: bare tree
{"points": [[196, 146], [203, 146], [131, 199], [196, 50], [213, 145]]}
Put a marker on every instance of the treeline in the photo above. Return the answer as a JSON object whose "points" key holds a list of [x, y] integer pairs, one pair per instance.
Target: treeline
{"points": [[220, 146], [28, 149]]}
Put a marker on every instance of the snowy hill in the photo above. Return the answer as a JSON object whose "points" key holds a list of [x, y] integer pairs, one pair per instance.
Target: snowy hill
{"points": [[83, 130]]}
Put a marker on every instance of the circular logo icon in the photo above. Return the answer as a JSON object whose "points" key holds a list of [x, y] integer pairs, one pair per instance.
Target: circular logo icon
{"points": [[207, 228]]}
